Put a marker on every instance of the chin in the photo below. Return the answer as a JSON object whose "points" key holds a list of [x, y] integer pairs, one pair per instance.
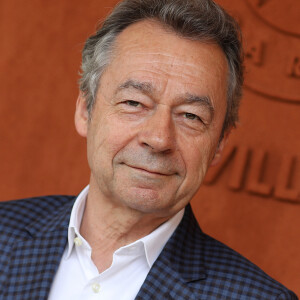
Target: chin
{"points": [[145, 201]]}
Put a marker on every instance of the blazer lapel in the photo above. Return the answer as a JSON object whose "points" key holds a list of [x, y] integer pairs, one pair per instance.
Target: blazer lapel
{"points": [[179, 265], [163, 282], [34, 260]]}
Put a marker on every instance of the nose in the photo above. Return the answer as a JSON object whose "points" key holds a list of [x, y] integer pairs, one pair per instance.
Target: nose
{"points": [[158, 131]]}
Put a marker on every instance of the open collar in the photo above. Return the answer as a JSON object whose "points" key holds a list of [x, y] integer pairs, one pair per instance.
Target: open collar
{"points": [[152, 243]]}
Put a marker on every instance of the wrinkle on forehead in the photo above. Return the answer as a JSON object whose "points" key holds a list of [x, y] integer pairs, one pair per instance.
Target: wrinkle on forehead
{"points": [[165, 57]]}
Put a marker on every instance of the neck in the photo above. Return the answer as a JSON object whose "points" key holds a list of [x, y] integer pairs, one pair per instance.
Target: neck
{"points": [[107, 226]]}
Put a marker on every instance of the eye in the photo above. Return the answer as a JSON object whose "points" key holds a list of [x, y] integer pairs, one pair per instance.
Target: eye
{"points": [[132, 103], [191, 116]]}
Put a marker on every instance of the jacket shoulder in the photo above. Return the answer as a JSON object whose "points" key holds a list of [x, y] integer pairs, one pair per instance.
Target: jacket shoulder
{"points": [[17, 214], [238, 275]]}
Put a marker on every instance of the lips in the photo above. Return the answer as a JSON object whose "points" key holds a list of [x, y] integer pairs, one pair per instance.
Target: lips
{"points": [[151, 171]]}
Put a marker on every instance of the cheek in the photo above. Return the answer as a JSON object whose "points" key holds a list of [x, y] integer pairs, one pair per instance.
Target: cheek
{"points": [[197, 154], [108, 138]]}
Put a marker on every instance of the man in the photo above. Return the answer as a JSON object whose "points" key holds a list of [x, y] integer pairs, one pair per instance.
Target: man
{"points": [[161, 82]]}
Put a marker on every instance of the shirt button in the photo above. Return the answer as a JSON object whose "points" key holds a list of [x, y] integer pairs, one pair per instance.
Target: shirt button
{"points": [[96, 288], [78, 241]]}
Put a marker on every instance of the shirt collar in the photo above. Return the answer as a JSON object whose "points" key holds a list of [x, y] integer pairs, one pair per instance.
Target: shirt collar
{"points": [[156, 240], [153, 243], [75, 219]]}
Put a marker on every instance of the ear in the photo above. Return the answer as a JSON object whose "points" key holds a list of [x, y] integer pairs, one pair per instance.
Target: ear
{"points": [[219, 151], [81, 115]]}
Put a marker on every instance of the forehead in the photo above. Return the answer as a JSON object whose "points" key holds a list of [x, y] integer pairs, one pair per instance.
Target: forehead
{"points": [[149, 52]]}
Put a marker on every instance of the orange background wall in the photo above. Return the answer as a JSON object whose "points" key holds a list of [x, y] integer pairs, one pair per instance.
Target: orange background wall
{"points": [[250, 201]]}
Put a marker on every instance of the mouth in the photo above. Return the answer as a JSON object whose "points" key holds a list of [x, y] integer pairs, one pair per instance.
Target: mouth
{"points": [[149, 171]]}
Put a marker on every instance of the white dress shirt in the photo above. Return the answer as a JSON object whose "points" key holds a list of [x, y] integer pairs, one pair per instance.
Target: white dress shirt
{"points": [[78, 277]]}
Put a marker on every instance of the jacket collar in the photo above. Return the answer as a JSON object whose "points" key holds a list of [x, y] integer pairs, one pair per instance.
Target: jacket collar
{"points": [[55, 221], [179, 265]]}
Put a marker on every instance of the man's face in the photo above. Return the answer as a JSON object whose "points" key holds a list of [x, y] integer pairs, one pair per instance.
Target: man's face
{"points": [[156, 123]]}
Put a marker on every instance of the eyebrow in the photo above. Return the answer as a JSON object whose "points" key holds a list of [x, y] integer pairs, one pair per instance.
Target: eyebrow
{"points": [[147, 88], [202, 100], [143, 87]]}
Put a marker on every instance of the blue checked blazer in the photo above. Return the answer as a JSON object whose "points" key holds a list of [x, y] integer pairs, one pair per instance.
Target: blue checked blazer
{"points": [[192, 265]]}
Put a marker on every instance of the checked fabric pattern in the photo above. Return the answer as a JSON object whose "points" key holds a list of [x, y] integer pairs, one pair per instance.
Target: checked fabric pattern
{"points": [[33, 236]]}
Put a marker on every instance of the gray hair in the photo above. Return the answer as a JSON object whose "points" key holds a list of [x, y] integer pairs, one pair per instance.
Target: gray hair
{"points": [[201, 20]]}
